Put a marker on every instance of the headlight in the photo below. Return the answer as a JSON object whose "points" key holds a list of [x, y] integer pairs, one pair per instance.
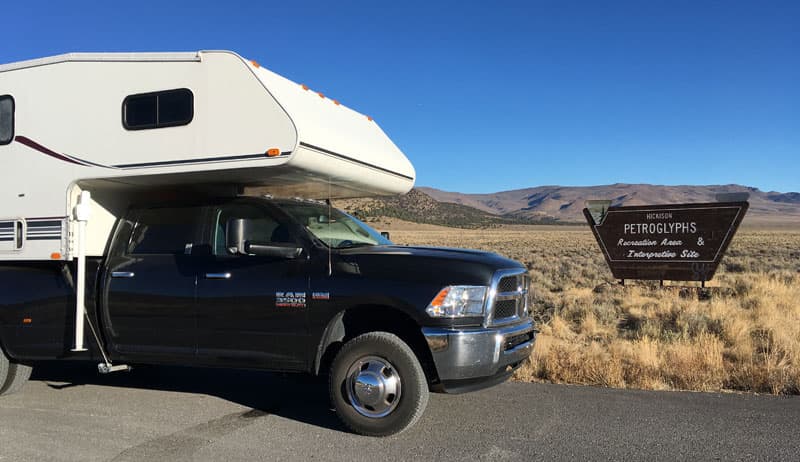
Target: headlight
{"points": [[458, 301]]}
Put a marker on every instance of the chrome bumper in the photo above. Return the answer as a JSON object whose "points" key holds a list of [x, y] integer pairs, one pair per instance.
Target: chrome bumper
{"points": [[476, 353]]}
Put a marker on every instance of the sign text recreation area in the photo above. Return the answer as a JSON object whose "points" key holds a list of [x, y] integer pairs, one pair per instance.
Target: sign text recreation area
{"points": [[682, 242]]}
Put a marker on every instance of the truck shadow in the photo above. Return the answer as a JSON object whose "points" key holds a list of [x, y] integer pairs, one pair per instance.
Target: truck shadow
{"points": [[292, 396]]}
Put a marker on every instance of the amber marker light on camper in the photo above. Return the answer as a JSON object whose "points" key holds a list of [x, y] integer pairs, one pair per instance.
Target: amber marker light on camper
{"points": [[273, 152]]}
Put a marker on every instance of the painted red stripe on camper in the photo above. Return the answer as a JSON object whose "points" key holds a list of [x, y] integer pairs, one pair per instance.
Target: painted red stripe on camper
{"points": [[34, 145]]}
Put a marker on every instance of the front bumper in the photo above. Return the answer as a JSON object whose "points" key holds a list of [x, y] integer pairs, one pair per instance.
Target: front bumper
{"points": [[479, 355]]}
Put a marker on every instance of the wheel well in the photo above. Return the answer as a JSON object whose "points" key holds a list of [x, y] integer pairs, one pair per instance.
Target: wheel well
{"points": [[362, 319]]}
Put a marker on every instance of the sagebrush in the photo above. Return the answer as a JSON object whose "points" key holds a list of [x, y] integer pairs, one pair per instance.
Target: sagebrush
{"points": [[742, 334]]}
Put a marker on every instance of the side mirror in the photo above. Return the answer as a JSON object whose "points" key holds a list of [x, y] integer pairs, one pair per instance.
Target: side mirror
{"points": [[275, 249], [385, 234], [235, 235], [236, 241]]}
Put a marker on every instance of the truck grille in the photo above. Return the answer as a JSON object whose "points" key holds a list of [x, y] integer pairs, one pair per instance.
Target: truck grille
{"points": [[508, 284], [505, 309], [518, 340], [510, 301]]}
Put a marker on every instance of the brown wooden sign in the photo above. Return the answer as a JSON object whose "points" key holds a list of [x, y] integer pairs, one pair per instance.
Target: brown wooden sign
{"points": [[681, 242]]}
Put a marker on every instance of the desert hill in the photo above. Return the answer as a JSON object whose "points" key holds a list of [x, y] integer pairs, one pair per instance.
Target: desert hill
{"points": [[565, 203], [419, 207]]}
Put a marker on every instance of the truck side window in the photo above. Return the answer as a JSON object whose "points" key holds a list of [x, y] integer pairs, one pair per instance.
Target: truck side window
{"points": [[263, 229], [168, 230], [6, 119]]}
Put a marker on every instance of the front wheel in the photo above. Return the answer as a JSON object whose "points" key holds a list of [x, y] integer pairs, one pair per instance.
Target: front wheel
{"points": [[377, 385]]}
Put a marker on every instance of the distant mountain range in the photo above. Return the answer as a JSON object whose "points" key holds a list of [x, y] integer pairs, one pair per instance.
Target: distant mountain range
{"points": [[566, 203], [562, 204]]}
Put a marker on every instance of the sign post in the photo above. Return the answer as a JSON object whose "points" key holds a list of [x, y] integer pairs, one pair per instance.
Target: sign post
{"points": [[679, 242]]}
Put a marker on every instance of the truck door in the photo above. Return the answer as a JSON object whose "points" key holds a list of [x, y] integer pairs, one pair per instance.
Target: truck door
{"points": [[252, 309], [150, 281]]}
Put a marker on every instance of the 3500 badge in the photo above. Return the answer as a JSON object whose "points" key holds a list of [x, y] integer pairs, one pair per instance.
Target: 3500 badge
{"points": [[290, 299]]}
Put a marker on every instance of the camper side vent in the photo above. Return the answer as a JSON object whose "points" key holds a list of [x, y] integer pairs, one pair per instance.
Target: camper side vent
{"points": [[160, 109]]}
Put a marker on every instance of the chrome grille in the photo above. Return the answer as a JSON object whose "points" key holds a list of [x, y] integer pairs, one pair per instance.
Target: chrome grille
{"points": [[510, 297], [509, 284], [505, 309]]}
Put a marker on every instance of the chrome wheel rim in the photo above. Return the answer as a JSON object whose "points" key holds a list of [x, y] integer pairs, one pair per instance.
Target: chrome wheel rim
{"points": [[373, 387]]}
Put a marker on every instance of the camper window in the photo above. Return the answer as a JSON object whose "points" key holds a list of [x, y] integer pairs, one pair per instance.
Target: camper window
{"points": [[161, 109], [6, 119]]}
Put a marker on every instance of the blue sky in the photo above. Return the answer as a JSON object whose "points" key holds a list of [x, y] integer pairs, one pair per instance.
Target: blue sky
{"points": [[491, 96]]}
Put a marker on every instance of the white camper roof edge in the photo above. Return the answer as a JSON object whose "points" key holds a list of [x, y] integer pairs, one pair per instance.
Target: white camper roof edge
{"points": [[179, 56]]}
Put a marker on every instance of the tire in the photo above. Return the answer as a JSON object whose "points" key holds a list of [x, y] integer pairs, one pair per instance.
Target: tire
{"points": [[12, 375], [377, 385]]}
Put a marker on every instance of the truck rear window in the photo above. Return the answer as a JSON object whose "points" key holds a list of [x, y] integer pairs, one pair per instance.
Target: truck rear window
{"points": [[170, 230]]}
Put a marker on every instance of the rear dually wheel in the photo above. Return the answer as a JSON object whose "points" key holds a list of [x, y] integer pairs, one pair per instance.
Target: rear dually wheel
{"points": [[13, 375]]}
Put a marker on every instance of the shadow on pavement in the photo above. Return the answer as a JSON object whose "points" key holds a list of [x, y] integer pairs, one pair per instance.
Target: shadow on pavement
{"points": [[292, 396]]}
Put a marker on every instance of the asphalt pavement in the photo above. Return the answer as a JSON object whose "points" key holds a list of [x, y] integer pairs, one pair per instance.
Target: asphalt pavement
{"points": [[68, 412]]}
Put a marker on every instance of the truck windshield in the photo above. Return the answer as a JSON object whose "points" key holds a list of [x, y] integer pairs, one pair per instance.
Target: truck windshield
{"points": [[334, 227]]}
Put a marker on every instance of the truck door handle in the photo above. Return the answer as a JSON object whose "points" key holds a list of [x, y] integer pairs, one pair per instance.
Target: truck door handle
{"points": [[122, 274], [218, 275]]}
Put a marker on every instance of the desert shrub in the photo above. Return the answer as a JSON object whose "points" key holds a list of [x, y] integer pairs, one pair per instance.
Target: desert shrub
{"points": [[744, 335]]}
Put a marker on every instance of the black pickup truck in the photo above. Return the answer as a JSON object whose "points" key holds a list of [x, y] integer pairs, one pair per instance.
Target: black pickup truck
{"points": [[283, 285]]}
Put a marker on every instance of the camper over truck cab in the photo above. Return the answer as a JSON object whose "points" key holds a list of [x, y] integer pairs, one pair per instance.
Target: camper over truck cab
{"points": [[124, 238]]}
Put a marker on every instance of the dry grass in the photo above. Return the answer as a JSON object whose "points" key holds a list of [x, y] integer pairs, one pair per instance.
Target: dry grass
{"points": [[745, 336]]}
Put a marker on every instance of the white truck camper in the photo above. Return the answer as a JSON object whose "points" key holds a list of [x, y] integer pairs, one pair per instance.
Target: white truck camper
{"points": [[82, 136], [121, 213]]}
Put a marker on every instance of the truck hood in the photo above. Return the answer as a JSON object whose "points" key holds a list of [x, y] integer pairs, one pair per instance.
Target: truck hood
{"points": [[408, 277], [451, 253], [432, 264]]}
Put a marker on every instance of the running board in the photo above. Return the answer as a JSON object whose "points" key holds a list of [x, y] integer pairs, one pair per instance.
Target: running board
{"points": [[107, 368]]}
